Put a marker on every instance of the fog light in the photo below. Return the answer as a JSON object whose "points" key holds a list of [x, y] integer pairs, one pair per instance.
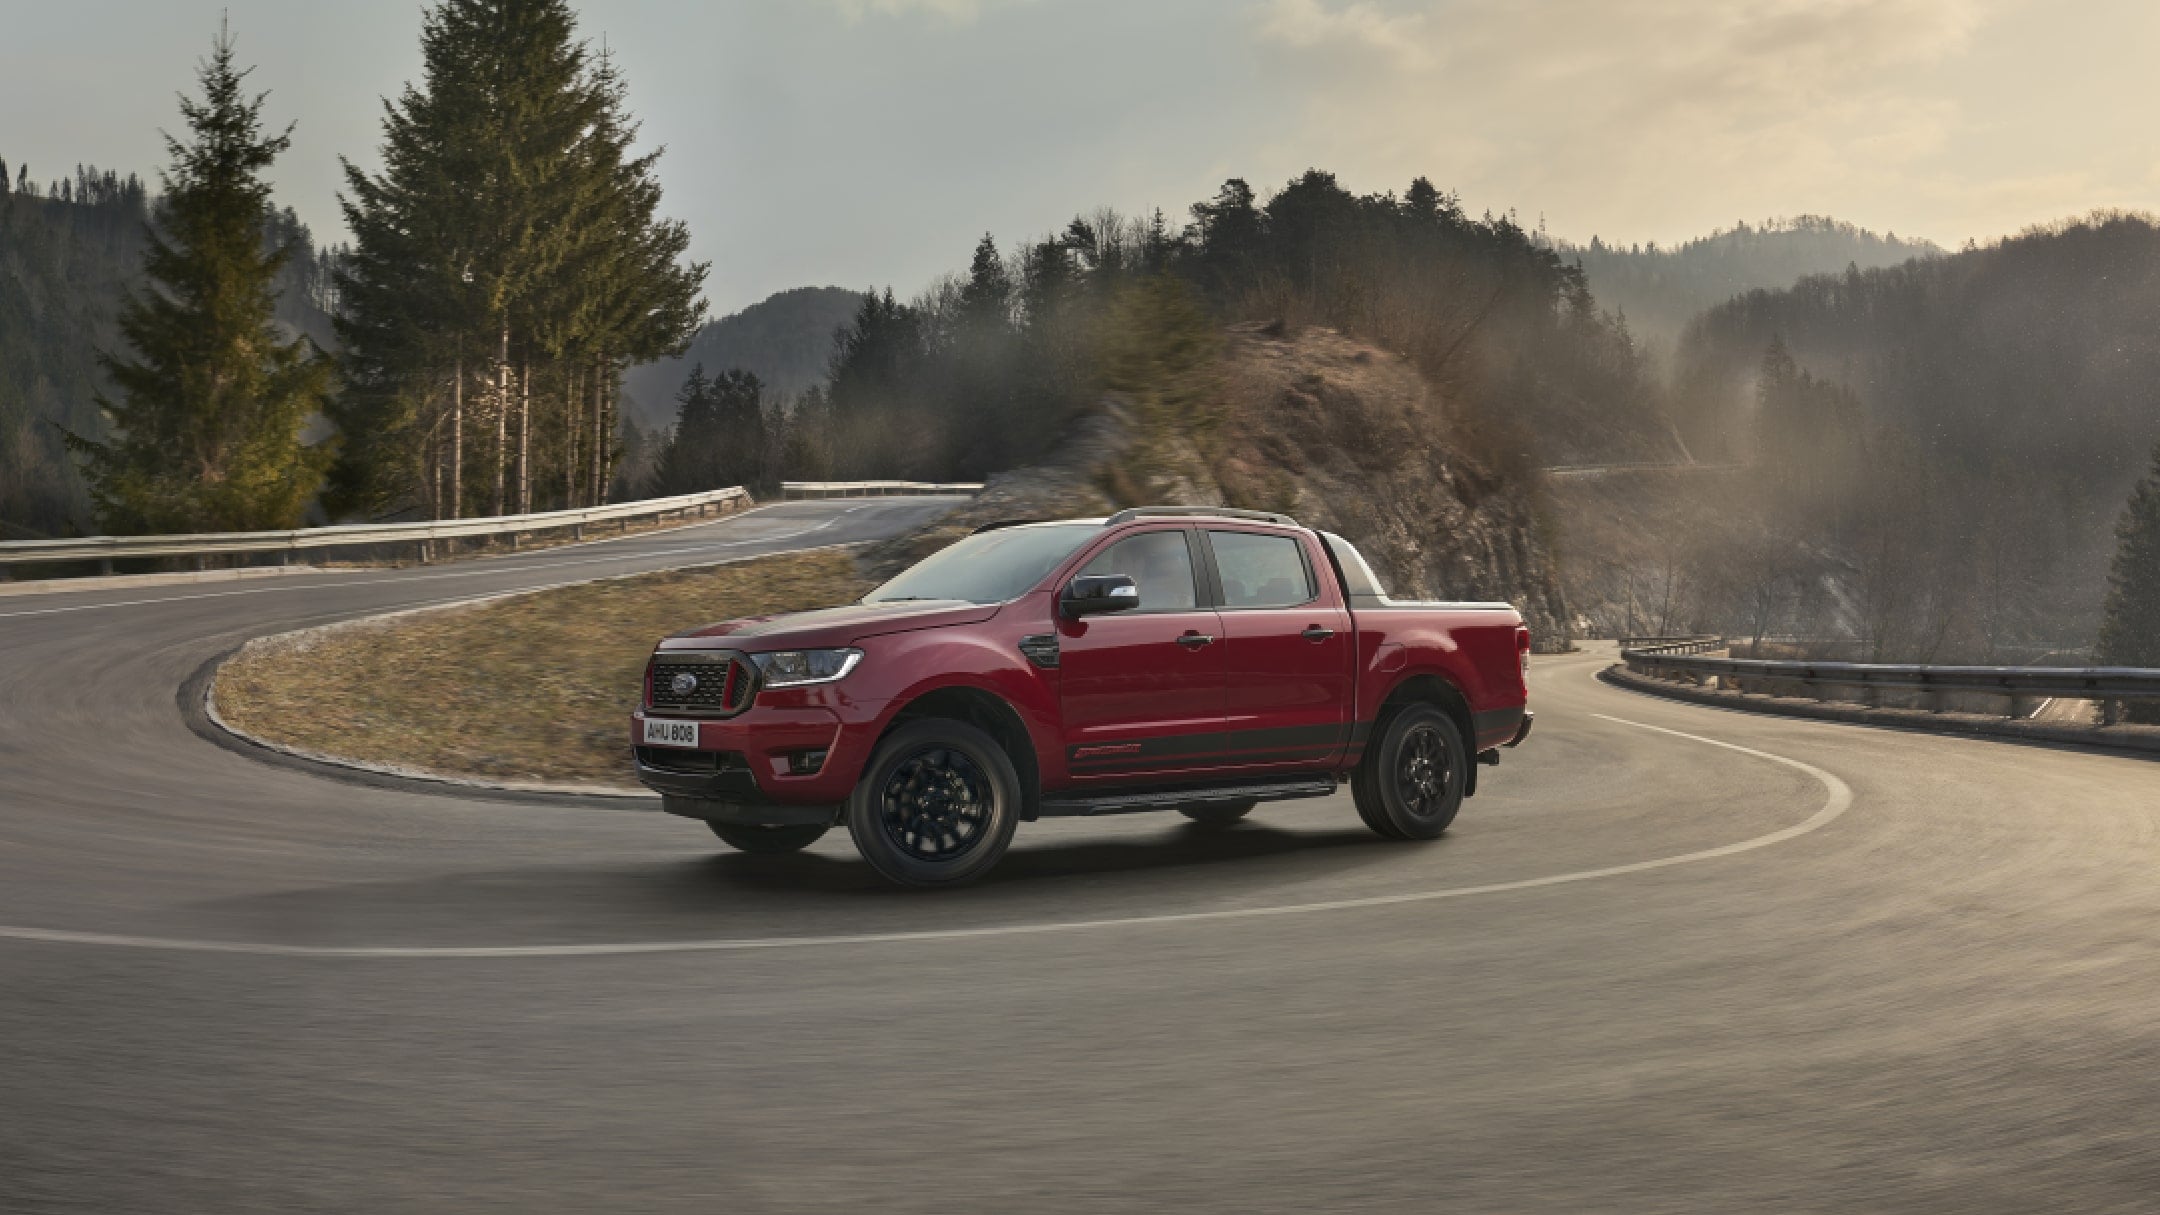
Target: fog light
{"points": [[805, 763]]}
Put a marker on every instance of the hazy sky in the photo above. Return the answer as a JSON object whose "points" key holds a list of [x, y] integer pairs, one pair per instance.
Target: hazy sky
{"points": [[871, 141]]}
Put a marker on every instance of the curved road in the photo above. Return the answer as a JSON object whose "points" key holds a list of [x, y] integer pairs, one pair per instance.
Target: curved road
{"points": [[1671, 959]]}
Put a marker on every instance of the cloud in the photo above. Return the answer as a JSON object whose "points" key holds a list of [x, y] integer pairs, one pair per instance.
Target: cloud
{"points": [[1362, 26], [1620, 110], [958, 11]]}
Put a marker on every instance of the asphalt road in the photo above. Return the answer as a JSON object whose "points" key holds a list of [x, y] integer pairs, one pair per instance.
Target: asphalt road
{"points": [[1671, 958]]}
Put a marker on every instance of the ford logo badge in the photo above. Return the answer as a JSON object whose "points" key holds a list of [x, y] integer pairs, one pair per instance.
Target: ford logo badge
{"points": [[683, 684]]}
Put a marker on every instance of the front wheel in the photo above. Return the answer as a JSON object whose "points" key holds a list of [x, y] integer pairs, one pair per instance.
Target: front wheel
{"points": [[767, 841], [937, 806], [1411, 784]]}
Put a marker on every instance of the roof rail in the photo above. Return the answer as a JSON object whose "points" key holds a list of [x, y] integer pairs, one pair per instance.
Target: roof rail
{"points": [[1212, 512], [997, 524]]}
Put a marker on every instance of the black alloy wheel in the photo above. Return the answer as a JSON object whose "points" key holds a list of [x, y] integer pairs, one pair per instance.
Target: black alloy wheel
{"points": [[1422, 773], [1410, 784], [937, 804]]}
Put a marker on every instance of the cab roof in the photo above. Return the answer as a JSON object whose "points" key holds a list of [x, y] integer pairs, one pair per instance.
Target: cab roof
{"points": [[1131, 513]]}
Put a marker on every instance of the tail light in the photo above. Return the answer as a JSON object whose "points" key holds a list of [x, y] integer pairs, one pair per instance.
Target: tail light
{"points": [[1522, 650]]}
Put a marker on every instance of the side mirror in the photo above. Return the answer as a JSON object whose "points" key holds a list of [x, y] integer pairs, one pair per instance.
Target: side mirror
{"points": [[1094, 594]]}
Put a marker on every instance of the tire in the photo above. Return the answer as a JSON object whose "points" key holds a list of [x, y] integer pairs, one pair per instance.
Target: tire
{"points": [[1411, 785], [936, 806], [1219, 814], [766, 841]]}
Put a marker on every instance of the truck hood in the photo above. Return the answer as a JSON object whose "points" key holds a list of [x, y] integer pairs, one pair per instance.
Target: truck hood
{"points": [[835, 626]]}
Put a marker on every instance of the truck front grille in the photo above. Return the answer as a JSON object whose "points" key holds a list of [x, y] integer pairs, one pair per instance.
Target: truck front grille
{"points": [[700, 684]]}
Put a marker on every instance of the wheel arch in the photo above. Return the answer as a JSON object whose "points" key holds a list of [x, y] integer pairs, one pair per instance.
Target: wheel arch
{"points": [[993, 715], [1433, 688]]}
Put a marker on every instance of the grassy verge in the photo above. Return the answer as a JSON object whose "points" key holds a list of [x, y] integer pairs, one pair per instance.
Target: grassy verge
{"points": [[532, 688]]}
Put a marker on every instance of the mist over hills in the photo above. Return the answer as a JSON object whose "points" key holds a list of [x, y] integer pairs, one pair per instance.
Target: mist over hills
{"points": [[786, 340], [1938, 450], [1660, 290]]}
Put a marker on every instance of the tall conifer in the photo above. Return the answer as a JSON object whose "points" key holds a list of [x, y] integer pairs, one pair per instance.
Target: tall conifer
{"points": [[206, 426], [2130, 630], [508, 263]]}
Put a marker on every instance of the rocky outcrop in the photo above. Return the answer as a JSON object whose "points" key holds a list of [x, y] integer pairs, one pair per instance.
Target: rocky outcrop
{"points": [[1333, 431]]}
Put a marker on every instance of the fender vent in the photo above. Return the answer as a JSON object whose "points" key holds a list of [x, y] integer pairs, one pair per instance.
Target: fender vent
{"points": [[1041, 649]]}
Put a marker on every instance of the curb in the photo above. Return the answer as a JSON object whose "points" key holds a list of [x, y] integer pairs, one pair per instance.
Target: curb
{"points": [[2138, 741], [199, 709]]}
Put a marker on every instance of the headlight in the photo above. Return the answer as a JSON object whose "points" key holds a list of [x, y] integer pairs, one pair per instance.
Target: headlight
{"points": [[793, 668]]}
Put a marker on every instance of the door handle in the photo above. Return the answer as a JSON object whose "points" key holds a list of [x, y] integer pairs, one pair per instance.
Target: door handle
{"points": [[1314, 632], [1193, 641]]}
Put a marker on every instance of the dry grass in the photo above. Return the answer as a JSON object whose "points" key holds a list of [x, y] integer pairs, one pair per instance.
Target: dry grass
{"points": [[533, 688]]}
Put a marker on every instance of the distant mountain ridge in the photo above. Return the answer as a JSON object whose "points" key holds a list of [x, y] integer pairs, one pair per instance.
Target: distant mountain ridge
{"points": [[785, 340], [1660, 290]]}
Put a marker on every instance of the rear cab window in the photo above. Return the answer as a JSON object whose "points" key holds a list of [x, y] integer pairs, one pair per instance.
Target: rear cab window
{"points": [[1262, 570]]}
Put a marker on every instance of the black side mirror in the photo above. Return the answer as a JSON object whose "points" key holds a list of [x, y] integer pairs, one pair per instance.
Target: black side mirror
{"points": [[1094, 594]]}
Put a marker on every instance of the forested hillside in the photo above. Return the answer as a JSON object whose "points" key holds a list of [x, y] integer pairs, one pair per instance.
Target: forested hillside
{"points": [[69, 250], [785, 340], [1660, 290], [1939, 449], [984, 369]]}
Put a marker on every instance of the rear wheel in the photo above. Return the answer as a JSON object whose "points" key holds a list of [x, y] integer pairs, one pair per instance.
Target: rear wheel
{"points": [[937, 806], [1218, 814], [766, 841], [1411, 784]]}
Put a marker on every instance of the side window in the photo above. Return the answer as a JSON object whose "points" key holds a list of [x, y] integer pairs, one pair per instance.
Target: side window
{"points": [[1160, 562], [1260, 571]]}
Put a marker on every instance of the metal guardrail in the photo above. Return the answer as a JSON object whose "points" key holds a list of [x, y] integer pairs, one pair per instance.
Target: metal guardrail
{"points": [[2021, 685], [1693, 644], [283, 544], [874, 489], [104, 550]]}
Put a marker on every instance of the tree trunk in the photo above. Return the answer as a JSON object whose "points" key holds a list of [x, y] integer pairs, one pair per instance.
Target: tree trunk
{"points": [[598, 444], [457, 439], [572, 417], [524, 476], [502, 421]]}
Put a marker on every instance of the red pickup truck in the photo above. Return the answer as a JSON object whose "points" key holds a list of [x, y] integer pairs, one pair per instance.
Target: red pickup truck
{"points": [[1165, 658]]}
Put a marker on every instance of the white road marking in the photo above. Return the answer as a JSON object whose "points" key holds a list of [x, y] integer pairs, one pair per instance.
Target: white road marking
{"points": [[1837, 799], [467, 573]]}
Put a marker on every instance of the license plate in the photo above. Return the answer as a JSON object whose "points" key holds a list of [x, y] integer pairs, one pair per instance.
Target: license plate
{"points": [[661, 732]]}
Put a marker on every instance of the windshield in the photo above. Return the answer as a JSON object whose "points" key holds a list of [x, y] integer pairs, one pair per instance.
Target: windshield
{"points": [[989, 567]]}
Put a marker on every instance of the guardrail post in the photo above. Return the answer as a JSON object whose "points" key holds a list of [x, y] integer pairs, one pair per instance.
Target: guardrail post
{"points": [[104, 566], [2111, 711]]}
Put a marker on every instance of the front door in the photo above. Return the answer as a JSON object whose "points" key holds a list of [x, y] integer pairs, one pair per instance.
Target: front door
{"points": [[1142, 689]]}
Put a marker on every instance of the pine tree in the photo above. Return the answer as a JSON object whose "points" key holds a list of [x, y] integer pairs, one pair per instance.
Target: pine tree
{"points": [[206, 429], [508, 263], [986, 299], [2130, 629]]}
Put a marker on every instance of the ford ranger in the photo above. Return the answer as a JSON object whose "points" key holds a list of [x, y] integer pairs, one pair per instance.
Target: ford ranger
{"points": [[1202, 660]]}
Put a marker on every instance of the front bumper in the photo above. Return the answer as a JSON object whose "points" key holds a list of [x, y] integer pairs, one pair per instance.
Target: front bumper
{"points": [[744, 768]]}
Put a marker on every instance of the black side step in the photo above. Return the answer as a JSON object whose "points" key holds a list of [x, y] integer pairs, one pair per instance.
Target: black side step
{"points": [[1171, 799]]}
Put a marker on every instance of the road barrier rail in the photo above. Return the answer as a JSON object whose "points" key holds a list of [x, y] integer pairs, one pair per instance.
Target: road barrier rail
{"points": [[874, 489], [2019, 686], [424, 534]]}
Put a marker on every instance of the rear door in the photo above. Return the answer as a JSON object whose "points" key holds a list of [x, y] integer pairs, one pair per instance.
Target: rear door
{"points": [[1289, 649], [1142, 690]]}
